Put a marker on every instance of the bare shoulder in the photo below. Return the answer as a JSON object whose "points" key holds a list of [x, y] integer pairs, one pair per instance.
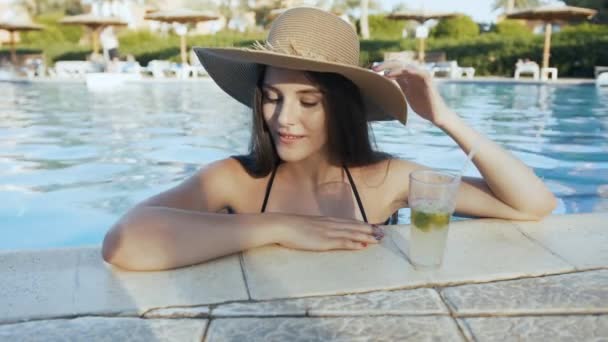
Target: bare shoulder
{"points": [[229, 184], [387, 171], [212, 188], [388, 179]]}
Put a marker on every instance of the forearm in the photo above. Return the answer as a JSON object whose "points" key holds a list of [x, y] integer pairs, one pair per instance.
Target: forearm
{"points": [[158, 238], [508, 178]]}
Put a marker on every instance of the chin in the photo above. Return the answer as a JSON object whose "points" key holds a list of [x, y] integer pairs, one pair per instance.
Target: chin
{"points": [[292, 156]]}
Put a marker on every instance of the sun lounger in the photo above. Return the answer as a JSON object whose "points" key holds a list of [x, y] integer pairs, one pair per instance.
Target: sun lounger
{"points": [[528, 67], [159, 69], [406, 57], [599, 70], [196, 68], [452, 70], [71, 69], [601, 76]]}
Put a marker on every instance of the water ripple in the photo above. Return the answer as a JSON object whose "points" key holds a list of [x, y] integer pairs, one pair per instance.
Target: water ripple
{"points": [[79, 159]]}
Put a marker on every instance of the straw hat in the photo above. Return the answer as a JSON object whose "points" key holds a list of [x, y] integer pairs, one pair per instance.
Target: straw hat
{"points": [[309, 39]]}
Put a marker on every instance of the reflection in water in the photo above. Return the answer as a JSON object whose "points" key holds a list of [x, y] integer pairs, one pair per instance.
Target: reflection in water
{"points": [[72, 161]]}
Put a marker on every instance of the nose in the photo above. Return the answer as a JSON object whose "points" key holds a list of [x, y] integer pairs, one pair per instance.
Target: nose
{"points": [[287, 112]]}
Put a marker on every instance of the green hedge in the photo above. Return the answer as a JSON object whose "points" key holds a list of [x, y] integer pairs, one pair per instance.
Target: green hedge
{"points": [[575, 50]]}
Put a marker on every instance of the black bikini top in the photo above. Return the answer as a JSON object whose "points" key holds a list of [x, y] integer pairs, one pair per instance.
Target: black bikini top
{"points": [[391, 220]]}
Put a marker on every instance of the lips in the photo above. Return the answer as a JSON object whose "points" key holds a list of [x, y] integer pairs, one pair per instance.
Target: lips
{"points": [[289, 138]]}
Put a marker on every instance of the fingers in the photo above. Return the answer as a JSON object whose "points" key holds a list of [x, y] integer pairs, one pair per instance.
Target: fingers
{"points": [[351, 235], [347, 244], [394, 68]]}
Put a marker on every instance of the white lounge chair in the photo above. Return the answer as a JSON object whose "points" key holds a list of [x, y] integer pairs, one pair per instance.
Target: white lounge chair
{"points": [[452, 70], [159, 69], [528, 67], [71, 69], [601, 76], [401, 56], [196, 67]]}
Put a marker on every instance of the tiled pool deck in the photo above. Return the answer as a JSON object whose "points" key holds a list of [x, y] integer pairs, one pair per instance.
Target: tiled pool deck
{"points": [[502, 280]]}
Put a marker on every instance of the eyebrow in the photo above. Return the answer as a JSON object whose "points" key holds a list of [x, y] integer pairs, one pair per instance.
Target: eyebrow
{"points": [[303, 91]]}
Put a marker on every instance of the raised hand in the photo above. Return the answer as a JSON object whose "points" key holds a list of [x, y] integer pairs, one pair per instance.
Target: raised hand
{"points": [[417, 86]]}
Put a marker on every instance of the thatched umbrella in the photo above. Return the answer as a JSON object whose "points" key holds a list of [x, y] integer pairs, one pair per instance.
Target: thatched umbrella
{"points": [[182, 16], [549, 14], [420, 17], [95, 23], [13, 27]]}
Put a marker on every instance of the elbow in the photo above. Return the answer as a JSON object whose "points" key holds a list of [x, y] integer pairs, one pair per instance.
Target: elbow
{"points": [[113, 247], [136, 244], [543, 209], [121, 246]]}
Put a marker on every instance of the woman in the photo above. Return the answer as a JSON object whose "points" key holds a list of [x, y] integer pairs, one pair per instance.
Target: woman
{"points": [[312, 180]]}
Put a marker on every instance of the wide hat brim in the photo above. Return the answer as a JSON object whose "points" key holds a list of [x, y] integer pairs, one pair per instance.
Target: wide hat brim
{"points": [[235, 70]]}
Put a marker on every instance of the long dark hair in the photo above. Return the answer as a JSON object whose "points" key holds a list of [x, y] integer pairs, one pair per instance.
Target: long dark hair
{"points": [[349, 140]]}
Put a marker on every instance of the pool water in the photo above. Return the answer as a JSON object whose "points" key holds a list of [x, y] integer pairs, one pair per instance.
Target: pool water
{"points": [[72, 160]]}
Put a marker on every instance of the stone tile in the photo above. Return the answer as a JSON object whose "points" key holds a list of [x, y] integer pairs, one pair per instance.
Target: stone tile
{"points": [[583, 292], [275, 272], [105, 329], [76, 281], [581, 239], [403, 302], [195, 312], [538, 328], [351, 329], [103, 288], [29, 283], [486, 250]]}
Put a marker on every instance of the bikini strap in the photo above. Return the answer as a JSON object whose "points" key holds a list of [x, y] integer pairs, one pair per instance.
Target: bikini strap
{"points": [[268, 187], [352, 185]]}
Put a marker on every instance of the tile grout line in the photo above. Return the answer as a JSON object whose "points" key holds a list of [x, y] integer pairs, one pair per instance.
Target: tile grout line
{"points": [[207, 328], [451, 314], [244, 273], [540, 244]]}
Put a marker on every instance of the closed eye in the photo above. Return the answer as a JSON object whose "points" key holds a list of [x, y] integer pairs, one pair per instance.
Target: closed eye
{"points": [[309, 104]]}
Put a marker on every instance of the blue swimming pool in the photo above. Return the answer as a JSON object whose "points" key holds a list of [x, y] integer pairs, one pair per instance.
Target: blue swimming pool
{"points": [[72, 161]]}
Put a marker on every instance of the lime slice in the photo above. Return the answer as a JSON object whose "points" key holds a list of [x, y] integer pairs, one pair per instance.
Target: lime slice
{"points": [[421, 220], [440, 220]]}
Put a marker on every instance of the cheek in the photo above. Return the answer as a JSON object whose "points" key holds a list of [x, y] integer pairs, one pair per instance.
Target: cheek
{"points": [[268, 111], [316, 123]]}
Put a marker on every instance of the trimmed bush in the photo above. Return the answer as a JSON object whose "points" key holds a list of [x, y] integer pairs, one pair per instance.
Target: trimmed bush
{"points": [[457, 27], [510, 27], [382, 28]]}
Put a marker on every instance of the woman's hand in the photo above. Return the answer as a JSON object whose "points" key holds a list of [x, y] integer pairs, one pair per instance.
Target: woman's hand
{"points": [[417, 86], [318, 233]]}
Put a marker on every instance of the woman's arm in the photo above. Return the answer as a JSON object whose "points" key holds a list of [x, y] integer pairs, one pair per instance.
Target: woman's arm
{"points": [[160, 238], [509, 189], [504, 176], [182, 226]]}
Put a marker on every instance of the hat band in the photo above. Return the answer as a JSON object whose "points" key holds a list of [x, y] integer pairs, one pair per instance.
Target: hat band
{"points": [[292, 50]]}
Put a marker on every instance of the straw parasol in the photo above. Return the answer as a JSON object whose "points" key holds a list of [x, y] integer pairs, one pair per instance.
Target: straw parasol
{"points": [[548, 14], [13, 27], [182, 16], [95, 23], [420, 17]]}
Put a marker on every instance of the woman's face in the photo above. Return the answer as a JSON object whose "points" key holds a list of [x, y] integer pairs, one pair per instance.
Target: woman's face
{"points": [[293, 110]]}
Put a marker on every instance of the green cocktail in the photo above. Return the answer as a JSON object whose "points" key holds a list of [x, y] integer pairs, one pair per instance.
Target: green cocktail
{"points": [[432, 200]]}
